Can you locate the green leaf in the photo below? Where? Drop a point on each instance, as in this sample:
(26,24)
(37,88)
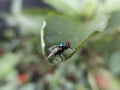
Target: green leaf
(7,63)
(61,29)
(16,7)
(114,63)
(111,5)
(74,7)
(112,27)
(114,22)
(29,24)
(36,11)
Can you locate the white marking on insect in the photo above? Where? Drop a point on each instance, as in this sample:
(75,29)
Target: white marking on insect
(55,50)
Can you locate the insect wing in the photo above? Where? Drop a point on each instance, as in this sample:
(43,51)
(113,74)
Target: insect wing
(52,48)
(53,52)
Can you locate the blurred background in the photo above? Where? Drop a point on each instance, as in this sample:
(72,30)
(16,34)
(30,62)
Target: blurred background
(96,66)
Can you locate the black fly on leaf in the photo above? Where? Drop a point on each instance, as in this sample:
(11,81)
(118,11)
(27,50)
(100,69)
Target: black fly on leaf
(59,50)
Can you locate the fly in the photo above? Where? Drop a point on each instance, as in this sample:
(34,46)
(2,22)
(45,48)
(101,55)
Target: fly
(59,49)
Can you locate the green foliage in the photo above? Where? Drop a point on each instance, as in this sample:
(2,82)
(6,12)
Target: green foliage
(59,29)
(8,64)
(91,26)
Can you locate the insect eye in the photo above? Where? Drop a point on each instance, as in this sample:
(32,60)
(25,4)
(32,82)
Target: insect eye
(61,45)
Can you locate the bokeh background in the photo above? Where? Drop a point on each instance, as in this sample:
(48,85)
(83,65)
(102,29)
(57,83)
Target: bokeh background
(96,66)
